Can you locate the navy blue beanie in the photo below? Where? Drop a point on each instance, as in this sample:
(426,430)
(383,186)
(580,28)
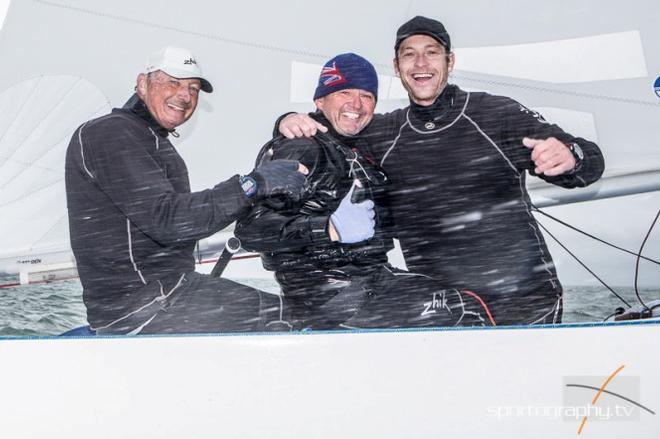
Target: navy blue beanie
(347,70)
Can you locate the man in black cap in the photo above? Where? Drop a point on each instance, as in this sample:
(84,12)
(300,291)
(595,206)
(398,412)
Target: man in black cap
(134,222)
(458,163)
(329,251)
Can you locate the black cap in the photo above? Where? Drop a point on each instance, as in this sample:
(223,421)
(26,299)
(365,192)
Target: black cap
(424,26)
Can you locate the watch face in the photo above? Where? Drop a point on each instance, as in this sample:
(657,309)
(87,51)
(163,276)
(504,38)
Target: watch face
(575,149)
(249,186)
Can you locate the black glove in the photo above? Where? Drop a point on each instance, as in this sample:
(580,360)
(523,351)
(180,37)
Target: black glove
(276,178)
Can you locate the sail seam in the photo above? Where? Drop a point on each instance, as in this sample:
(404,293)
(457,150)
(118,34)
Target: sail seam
(387,66)
(20,110)
(49,113)
(32,165)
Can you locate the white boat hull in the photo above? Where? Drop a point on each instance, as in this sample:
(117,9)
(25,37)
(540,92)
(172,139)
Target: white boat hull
(497,383)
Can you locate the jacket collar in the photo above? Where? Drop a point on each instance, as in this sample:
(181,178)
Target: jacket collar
(136,106)
(437,110)
(440,115)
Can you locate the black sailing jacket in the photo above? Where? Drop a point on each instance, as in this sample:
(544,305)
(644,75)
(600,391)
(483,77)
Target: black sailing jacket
(457,193)
(293,238)
(132,218)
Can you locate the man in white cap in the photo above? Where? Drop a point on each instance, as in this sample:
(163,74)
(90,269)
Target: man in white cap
(134,222)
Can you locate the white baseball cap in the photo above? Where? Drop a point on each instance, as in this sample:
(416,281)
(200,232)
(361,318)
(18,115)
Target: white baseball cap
(179,63)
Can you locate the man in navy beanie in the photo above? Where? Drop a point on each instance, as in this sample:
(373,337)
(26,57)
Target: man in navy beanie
(347,70)
(458,162)
(329,251)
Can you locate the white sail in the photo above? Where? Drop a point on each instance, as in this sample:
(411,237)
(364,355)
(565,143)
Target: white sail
(254,65)
(596,79)
(589,66)
(38,116)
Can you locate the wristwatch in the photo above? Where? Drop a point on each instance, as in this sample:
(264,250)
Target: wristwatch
(249,185)
(578,154)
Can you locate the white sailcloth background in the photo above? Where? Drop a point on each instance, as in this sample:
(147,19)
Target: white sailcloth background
(593,75)
(38,117)
(589,65)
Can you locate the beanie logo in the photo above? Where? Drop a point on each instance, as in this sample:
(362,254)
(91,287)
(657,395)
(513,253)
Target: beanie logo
(331,76)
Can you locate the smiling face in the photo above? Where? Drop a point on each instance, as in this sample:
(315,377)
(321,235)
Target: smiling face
(423,65)
(170,101)
(348,110)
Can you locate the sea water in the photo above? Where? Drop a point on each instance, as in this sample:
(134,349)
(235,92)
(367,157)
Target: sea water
(54,308)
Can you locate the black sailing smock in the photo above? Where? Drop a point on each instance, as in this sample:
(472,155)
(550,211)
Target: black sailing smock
(457,195)
(329,284)
(134,224)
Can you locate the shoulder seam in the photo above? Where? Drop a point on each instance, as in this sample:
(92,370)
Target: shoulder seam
(492,142)
(394,142)
(82,152)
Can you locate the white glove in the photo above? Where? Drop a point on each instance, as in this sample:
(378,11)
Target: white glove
(354,222)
